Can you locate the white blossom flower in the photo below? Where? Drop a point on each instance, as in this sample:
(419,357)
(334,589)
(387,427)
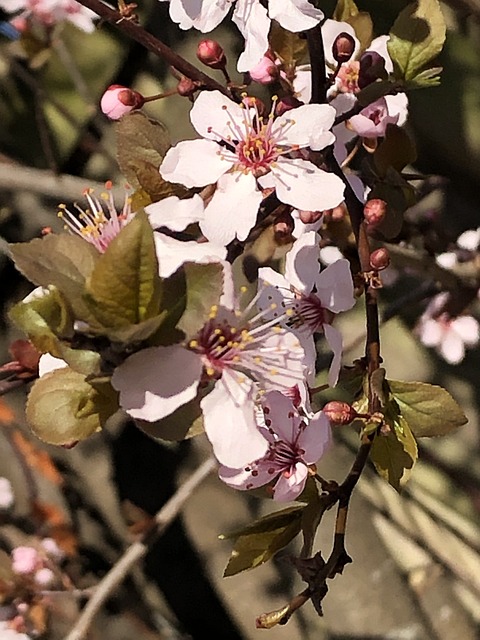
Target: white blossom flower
(240,152)
(311,299)
(7,497)
(449,336)
(51,12)
(294,443)
(251,17)
(7,633)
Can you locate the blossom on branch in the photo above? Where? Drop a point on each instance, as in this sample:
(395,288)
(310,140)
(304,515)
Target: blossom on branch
(294,443)
(51,12)
(243,153)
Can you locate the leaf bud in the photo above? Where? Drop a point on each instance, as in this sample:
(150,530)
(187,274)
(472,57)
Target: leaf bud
(285,104)
(339,413)
(343,47)
(186,87)
(118,101)
(374,211)
(211,54)
(379,259)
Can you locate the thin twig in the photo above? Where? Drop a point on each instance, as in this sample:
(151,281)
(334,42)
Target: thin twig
(137,550)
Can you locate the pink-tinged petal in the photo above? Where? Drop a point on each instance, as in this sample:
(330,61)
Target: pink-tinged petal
(301,263)
(232,212)
(316,438)
(244,480)
(281,416)
(308,125)
(294,15)
(305,186)
(210,14)
(154,382)
(254,24)
(231,428)
(289,488)
(173,253)
(179,15)
(48,363)
(452,347)
(175,214)
(330,30)
(193,163)
(292,356)
(335,287)
(308,343)
(213,115)
(335,342)
(467,328)
(430,332)
(372,121)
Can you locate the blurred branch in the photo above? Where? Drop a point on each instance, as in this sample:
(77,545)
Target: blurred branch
(138,549)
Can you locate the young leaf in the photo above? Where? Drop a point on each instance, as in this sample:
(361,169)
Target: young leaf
(204,288)
(288,46)
(259,541)
(417,37)
(62,408)
(124,288)
(429,409)
(347,11)
(395,453)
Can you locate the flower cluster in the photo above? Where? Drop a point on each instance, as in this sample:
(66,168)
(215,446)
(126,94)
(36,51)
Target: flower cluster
(49,13)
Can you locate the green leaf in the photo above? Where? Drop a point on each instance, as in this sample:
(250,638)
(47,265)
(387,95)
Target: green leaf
(288,46)
(204,288)
(427,78)
(430,410)
(141,146)
(124,288)
(259,541)
(62,408)
(396,150)
(62,260)
(416,37)
(395,453)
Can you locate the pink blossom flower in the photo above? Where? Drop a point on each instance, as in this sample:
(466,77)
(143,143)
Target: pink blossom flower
(100,223)
(294,443)
(117,101)
(449,336)
(25,560)
(51,12)
(310,299)
(372,121)
(265,72)
(7,497)
(8,633)
(242,151)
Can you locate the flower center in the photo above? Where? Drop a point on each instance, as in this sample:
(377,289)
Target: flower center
(309,311)
(256,152)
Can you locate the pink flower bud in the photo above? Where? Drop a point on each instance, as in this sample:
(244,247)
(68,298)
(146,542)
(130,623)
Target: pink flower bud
(285,104)
(186,87)
(211,54)
(339,413)
(374,211)
(265,72)
(343,47)
(25,560)
(379,259)
(118,101)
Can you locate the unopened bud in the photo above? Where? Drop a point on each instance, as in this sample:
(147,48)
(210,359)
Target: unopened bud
(118,101)
(252,102)
(310,217)
(374,211)
(343,47)
(286,104)
(379,259)
(265,72)
(339,413)
(186,87)
(283,227)
(25,354)
(372,67)
(211,54)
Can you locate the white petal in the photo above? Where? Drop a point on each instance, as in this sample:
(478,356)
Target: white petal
(334,339)
(210,14)
(301,263)
(305,126)
(452,347)
(281,416)
(302,83)
(232,212)
(330,30)
(254,24)
(194,163)
(242,479)
(380,46)
(467,328)
(294,15)
(174,213)
(447,260)
(172,253)
(154,382)
(273,289)
(304,186)
(213,113)
(335,287)
(316,438)
(430,332)
(469,240)
(289,488)
(49,363)
(231,428)
(291,360)
(397,105)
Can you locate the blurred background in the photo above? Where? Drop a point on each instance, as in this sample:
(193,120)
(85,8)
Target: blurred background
(416,569)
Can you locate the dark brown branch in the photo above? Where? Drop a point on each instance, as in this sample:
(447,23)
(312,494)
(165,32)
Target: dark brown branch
(317,65)
(140,35)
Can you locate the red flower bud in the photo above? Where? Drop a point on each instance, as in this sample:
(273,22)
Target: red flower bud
(339,413)
(379,259)
(343,47)
(211,54)
(374,211)
(118,100)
